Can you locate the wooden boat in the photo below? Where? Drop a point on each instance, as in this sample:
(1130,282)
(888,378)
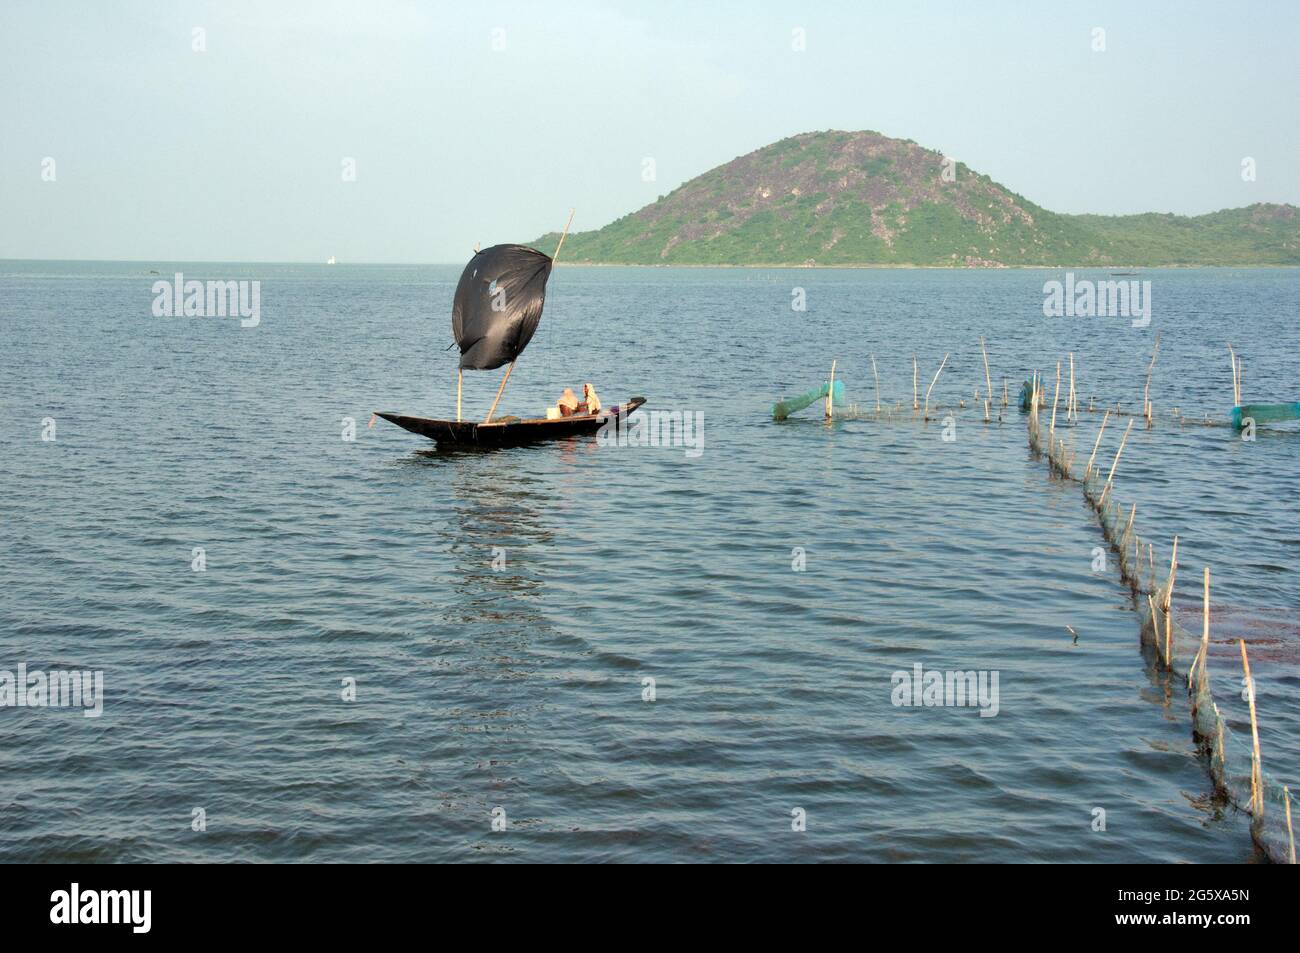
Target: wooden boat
(508,431)
(494,313)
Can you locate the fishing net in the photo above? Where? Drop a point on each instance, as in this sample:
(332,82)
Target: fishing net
(1230,755)
(786,406)
(1264,413)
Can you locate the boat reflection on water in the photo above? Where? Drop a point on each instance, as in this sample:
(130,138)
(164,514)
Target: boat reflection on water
(495,534)
(486,644)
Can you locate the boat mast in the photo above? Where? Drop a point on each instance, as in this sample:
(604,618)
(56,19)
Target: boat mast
(502,388)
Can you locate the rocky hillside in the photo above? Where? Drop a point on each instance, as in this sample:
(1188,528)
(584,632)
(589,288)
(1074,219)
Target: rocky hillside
(846,198)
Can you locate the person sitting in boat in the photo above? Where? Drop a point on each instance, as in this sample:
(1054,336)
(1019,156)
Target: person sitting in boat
(568,403)
(590,399)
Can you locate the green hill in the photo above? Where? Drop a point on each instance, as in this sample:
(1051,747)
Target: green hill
(860,198)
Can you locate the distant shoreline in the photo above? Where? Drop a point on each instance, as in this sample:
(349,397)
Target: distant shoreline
(884,267)
(154,262)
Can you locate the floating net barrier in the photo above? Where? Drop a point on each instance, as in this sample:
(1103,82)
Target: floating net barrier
(901,411)
(990,402)
(1174,417)
(1232,758)
(1238,418)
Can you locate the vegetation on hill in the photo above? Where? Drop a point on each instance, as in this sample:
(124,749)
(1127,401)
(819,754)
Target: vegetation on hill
(861,198)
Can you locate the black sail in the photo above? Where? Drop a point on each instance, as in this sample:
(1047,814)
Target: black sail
(498,303)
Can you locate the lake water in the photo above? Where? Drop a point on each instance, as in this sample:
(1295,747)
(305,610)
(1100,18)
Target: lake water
(516,692)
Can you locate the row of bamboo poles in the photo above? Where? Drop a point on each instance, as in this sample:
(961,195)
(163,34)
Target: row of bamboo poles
(883,411)
(1140,575)
(1072,406)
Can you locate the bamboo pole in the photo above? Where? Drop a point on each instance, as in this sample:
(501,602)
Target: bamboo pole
(1155,627)
(564,234)
(876,374)
(460,373)
(926,415)
(1071,411)
(1169,638)
(1169,635)
(500,389)
(1055,400)
(1146,393)
(1123,440)
(1006,394)
(1204,653)
(1173,573)
(916,404)
(1236,388)
(1105,417)
(1286,794)
(1256,773)
(830,394)
(1191,676)
(988,380)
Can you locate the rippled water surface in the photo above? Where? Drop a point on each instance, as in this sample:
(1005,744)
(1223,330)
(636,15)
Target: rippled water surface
(521,688)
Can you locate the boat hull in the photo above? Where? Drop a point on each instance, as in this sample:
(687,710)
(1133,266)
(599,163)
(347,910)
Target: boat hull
(508,433)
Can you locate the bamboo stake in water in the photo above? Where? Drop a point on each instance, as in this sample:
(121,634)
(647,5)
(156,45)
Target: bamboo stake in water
(830,394)
(1256,772)
(1286,794)
(877,376)
(1204,653)
(988,381)
(1136,575)
(1006,394)
(1155,627)
(1236,388)
(1055,400)
(1071,411)
(1173,573)
(1105,417)
(1123,440)
(916,404)
(1146,393)
(1169,636)
(926,415)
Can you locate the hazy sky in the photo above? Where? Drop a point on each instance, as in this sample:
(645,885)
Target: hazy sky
(236,153)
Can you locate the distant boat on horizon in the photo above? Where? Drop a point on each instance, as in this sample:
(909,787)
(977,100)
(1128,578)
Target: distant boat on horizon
(331,261)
